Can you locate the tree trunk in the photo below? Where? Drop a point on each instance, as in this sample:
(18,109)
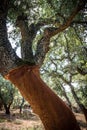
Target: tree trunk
(55,115)
(84,110)
(7,110)
(1,105)
(65,95)
(21,106)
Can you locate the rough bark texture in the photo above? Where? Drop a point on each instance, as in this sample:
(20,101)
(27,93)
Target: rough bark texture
(28,34)
(41,50)
(8,58)
(26,45)
(54,114)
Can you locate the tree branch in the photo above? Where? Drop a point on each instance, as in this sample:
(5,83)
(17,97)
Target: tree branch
(27,38)
(69,20)
(28,35)
(8,58)
(82,71)
(44,42)
(4,5)
(41,50)
(79,22)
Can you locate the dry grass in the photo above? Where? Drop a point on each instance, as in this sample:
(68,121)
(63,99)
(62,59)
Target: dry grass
(20,122)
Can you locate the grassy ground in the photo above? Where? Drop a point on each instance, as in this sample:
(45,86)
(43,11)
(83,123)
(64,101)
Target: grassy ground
(19,122)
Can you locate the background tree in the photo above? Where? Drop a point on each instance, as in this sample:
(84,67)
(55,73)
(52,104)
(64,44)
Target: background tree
(63,63)
(7,92)
(1,105)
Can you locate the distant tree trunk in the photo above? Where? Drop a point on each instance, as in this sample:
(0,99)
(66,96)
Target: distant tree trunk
(7,109)
(1,105)
(21,106)
(84,110)
(65,95)
(82,107)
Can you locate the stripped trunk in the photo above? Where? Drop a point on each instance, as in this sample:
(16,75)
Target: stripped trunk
(54,114)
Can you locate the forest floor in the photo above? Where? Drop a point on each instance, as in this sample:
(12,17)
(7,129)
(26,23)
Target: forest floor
(32,122)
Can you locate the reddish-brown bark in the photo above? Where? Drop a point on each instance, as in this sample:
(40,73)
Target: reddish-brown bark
(54,114)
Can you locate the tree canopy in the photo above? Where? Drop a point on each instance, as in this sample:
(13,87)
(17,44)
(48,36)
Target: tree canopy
(43,19)
(7,92)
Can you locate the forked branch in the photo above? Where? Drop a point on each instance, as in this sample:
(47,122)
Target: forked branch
(79,7)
